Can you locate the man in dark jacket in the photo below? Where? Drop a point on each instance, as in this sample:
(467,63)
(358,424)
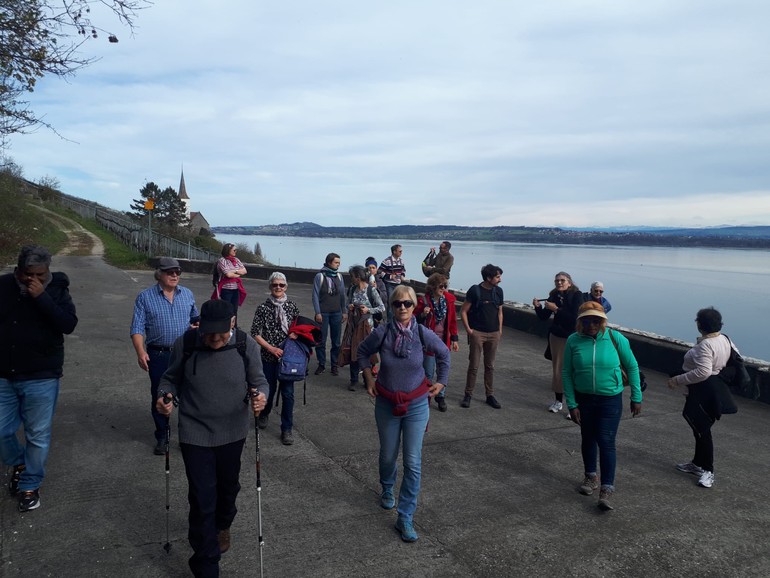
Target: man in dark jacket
(212,383)
(35,312)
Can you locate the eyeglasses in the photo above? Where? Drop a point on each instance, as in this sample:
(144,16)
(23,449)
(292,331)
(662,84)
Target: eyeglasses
(406,304)
(173,272)
(598,290)
(281,285)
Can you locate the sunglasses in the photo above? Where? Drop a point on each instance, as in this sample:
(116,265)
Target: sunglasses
(173,272)
(444,286)
(592,321)
(598,290)
(282,285)
(406,304)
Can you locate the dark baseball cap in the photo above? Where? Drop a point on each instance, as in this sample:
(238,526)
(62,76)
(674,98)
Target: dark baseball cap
(216,316)
(166,263)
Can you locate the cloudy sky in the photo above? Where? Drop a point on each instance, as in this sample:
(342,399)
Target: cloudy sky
(492,112)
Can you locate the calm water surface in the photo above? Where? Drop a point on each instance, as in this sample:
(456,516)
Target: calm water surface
(656,289)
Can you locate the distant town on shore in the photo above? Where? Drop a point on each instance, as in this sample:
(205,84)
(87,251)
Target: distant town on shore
(753,237)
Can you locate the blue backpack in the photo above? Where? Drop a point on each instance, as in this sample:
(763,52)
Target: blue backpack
(294,361)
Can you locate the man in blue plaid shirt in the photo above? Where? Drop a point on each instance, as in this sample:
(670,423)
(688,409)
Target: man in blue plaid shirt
(162,313)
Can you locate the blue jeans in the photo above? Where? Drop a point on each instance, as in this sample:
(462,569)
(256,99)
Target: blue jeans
(599,420)
(213,485)
(429,365)
(157,365)
(270,369)
(330,323)
(393,430)
(232,296)
(30,402)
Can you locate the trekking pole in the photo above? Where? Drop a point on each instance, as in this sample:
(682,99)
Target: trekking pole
(167,545)
(255,393)
(167,397)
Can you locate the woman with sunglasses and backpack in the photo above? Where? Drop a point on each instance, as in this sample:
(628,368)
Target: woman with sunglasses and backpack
(594,360)
(270,328)
(402,400)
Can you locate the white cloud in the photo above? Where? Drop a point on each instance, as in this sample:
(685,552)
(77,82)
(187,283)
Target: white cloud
(559,113)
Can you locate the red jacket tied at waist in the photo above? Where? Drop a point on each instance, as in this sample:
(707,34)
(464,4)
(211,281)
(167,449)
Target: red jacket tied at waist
(401,399)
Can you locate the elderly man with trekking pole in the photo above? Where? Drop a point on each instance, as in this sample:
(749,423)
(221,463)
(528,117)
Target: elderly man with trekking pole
(215,376)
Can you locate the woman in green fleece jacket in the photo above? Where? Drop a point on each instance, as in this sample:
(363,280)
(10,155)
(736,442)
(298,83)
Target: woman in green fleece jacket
(593,388)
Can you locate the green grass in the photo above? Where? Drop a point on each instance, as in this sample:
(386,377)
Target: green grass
(115,253)
(22,224)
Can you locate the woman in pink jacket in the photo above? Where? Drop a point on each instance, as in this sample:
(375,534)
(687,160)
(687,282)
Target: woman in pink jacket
(436,310)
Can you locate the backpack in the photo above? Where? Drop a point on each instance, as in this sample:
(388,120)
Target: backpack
(477,294)
(215,275)
(294,361)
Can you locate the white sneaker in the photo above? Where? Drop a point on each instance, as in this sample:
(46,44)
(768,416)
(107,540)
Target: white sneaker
(690,468)
(555,407)
(706,479)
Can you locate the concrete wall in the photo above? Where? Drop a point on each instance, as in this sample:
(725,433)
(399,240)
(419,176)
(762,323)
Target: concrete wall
(657,353)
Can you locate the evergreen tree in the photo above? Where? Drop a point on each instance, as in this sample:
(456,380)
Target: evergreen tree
(169,211)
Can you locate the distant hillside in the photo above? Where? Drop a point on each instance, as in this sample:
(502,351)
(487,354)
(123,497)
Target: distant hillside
(748,237)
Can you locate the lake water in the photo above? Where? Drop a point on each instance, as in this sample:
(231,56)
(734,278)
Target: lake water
(655,289)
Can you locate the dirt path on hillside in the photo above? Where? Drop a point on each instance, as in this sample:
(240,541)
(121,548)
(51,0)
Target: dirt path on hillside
(80,242)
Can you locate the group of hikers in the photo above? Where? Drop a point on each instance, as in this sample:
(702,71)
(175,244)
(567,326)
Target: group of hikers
(218,376)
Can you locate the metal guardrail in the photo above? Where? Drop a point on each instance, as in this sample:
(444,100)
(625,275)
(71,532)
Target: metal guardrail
(134,235)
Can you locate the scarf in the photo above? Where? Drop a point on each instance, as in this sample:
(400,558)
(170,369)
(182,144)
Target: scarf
(280,313)
(438,309)
(402,345)
(331,279)
(232,260)
(707,336)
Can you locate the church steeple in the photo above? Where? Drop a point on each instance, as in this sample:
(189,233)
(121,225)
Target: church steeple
(183,189)
(183,195)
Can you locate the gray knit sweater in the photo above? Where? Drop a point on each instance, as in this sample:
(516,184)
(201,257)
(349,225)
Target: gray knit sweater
(211,390)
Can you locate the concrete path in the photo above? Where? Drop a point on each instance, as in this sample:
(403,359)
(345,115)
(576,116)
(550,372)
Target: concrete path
(499,493)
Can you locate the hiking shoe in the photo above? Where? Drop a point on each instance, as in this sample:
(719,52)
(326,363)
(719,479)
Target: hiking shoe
(590,483)
(706,479)
(555,407)
(13,483)
(223,537)
(262,421)
(335,370)
(466,402)
(387,499)
(29,500)
(493,402)
(160,448)
(406,528)
(352,386)
(604,499)
(287,438)
(690,468)
(319,370)
(441,401)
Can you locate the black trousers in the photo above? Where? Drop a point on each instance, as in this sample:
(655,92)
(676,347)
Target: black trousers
(701,410)
(212,477)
